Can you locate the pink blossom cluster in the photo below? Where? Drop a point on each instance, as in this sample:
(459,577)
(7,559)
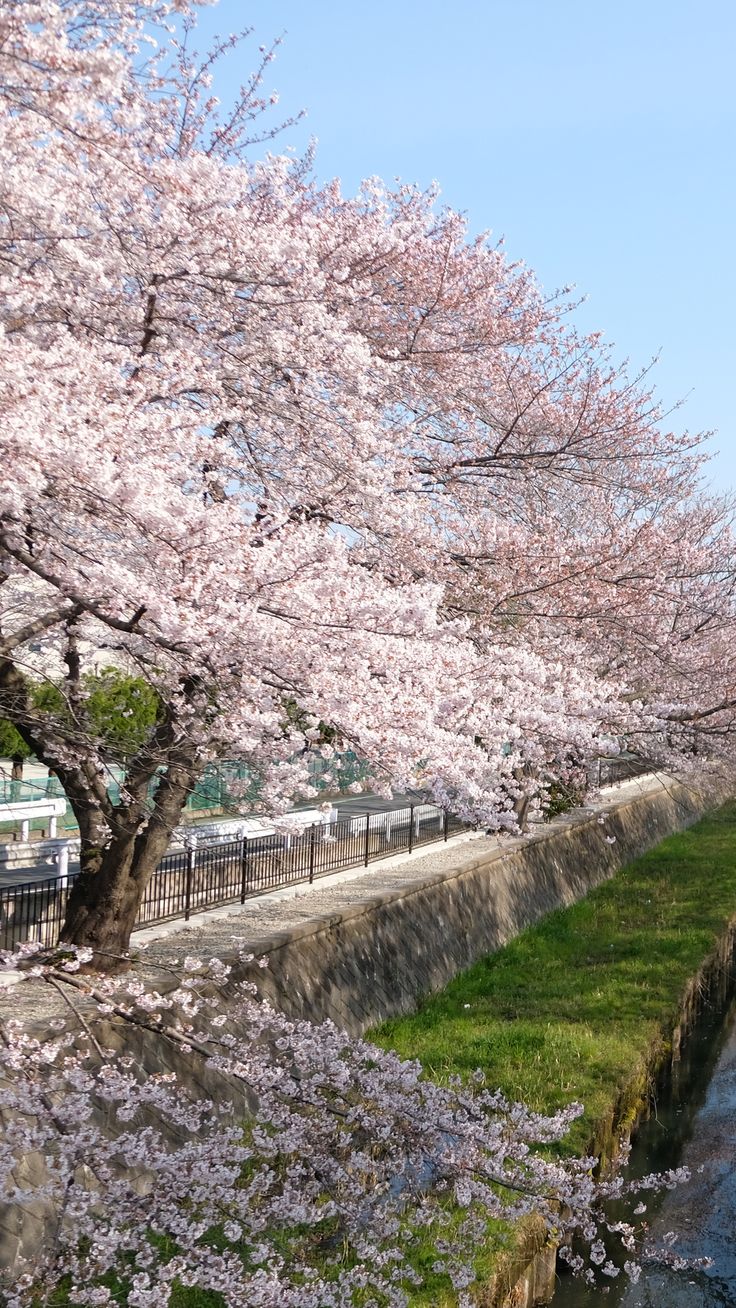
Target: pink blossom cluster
(307,1180)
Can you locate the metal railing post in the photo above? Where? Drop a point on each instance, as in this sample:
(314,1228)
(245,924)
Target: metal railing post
(367,837)
(411,827)
(312,848)
(191,864)
(244,870)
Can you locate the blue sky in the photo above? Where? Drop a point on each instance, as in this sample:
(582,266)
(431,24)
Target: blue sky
(596,137)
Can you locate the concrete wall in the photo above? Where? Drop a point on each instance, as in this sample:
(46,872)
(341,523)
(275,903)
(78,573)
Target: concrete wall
(378,958)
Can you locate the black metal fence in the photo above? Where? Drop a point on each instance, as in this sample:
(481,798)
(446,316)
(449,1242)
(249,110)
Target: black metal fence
(611,770)
(212,874)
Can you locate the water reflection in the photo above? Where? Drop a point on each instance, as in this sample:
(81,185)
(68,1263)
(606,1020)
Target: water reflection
(677,1290)
(703,1213)
(695,1125)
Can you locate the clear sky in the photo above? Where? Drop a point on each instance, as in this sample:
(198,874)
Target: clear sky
(596,136)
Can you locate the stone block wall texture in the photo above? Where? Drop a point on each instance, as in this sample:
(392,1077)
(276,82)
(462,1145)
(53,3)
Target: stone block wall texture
(377,959)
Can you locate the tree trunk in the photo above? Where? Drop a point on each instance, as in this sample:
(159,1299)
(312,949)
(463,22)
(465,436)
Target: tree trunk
(104,900)
(521,810)
(121,844)
(16,767)
(523,801)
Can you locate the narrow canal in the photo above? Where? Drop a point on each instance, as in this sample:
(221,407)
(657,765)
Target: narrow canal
(693,1123)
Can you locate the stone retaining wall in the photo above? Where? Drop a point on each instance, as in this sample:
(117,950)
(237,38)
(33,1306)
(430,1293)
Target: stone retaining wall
(377,959)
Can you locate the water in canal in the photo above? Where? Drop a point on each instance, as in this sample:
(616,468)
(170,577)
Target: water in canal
(693,1124)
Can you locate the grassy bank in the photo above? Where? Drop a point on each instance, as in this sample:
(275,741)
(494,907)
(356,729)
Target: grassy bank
(581,1005)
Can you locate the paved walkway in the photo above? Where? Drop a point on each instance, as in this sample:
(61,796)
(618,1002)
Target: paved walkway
(253,924)
(266,915)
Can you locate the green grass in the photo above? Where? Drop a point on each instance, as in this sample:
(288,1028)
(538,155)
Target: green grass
(581,1006)
(575,1008)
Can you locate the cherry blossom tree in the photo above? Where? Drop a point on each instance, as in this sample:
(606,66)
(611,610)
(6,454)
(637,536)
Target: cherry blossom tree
(267,444)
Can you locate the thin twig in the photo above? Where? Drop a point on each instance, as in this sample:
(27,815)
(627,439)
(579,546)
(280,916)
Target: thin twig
(52,981)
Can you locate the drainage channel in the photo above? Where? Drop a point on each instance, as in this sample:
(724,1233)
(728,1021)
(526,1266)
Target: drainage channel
(693,1124)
